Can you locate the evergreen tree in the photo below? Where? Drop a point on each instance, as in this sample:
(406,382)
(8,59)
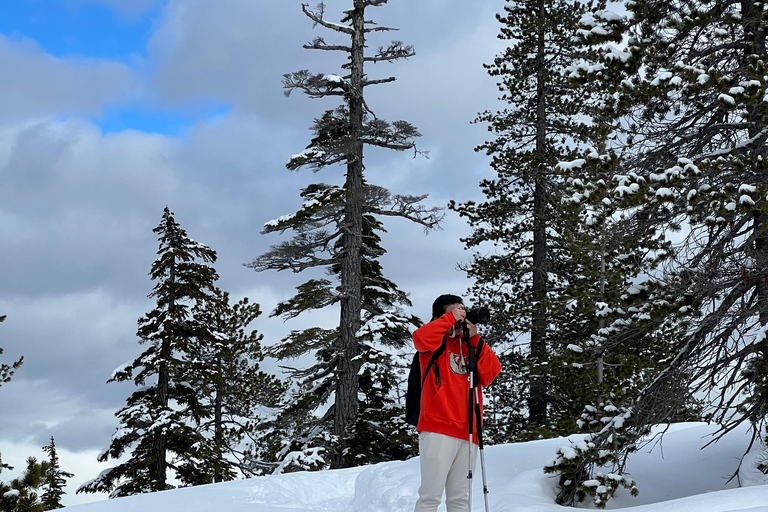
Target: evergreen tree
(335,228)
(688,82)
(21,495)
(159,421)
(522,264)
(621,332)
(54,479)
(6,372)
(236,397)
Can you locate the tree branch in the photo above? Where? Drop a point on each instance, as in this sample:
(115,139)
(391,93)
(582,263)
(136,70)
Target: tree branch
(318,20)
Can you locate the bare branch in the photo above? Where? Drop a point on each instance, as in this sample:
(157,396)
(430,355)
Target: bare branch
(366,83)
(409,207)
(318,19)
(395,51)
(319,43)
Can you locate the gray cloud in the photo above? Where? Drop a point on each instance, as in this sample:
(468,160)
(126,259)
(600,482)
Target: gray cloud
(36,84)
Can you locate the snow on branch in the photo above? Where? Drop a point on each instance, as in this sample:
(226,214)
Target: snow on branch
(315,85)
(319,208)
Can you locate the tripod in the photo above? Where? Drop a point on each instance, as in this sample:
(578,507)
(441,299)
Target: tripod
(474,413)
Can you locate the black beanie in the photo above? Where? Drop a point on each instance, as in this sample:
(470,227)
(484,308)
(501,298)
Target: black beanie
(438,307)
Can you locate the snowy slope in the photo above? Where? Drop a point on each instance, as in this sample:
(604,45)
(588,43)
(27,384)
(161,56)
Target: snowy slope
(676,476)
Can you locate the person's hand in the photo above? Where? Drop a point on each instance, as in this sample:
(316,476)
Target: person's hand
(459,313)
(472,329)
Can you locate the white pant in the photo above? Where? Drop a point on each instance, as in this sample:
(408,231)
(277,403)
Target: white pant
(444,466)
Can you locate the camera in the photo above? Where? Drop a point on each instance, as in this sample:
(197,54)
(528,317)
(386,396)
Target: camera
(479,315)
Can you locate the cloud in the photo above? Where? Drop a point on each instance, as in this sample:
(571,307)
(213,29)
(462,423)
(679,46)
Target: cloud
(37,85)
(233,51)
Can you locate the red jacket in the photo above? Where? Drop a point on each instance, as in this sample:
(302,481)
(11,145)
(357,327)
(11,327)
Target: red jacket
(445,404)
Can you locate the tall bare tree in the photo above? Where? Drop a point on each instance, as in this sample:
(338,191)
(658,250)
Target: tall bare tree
(335,227)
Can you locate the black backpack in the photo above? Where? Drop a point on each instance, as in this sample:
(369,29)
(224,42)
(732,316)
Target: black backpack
(415,382)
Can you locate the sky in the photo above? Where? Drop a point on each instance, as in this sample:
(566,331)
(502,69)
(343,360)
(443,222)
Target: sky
(673,475)
(112,109)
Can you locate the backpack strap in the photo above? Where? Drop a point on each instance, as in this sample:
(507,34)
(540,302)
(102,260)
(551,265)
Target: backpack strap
(479,348)
(432,360)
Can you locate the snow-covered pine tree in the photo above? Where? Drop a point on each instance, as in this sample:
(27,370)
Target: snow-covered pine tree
(54,479)
(689,87)
(234,394)
(620,330)
(330,231)
(158,423)
(380,432)
(520,264)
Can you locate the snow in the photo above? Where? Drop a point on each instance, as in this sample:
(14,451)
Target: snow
(675,477)
(334,78)
(747,189)
(746,200)
(575,164)
(727,99)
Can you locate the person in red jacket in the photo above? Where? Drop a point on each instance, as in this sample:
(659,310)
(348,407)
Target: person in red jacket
(444,417)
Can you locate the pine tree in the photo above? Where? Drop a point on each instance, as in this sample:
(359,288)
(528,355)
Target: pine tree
(159,420)
(688,88)
(620,333)
(7,370)
(334,229)
(521,262)
(54,479)
(21,495)
(236,397)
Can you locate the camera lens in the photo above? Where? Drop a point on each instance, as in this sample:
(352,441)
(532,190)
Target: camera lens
(479,315)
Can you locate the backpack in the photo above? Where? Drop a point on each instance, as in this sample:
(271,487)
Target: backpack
(415,382)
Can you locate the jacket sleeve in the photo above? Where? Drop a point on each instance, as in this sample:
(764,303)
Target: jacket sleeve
(429,336)
(488,365)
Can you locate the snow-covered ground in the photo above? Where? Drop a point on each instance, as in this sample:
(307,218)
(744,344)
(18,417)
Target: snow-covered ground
(674,476)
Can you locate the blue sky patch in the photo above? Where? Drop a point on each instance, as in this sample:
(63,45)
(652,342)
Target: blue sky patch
(67,29)
(167,122)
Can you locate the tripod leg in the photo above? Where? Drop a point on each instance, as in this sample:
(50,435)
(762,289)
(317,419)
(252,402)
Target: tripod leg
(481,446)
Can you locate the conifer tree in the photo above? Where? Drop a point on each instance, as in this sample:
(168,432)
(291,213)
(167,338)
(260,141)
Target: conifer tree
(21,494)
(7,370)
(158,425)
(336,228)
(521,264)
(688,82)
(54,479)
(235,396)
